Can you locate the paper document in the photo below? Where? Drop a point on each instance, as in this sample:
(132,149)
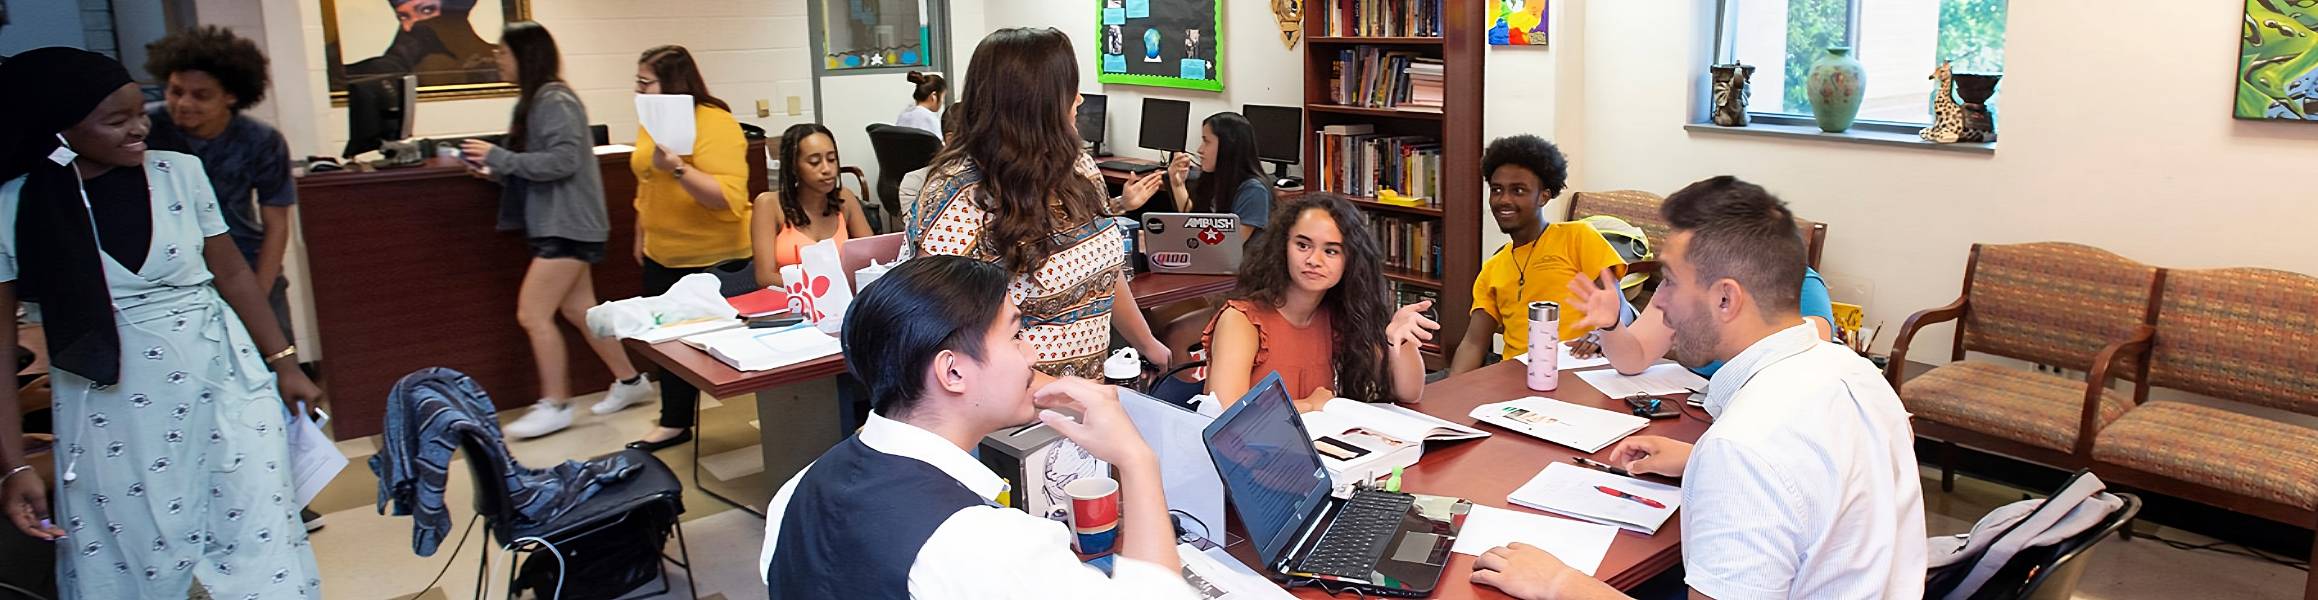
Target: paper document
(1585,428)
(668,117)
(687,329)
(1659,379)
(1566,362)
(1579,544)
(1186,472)
(766,349)
(1629,503)
(1215,575)
(314,458)
(609,149)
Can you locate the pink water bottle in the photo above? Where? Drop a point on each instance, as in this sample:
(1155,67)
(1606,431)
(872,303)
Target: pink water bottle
(1544,335)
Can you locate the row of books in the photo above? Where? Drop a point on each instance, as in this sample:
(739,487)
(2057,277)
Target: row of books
(1378,18)
(1371,77)
(1405,294)
(1355,160)
(1409,244)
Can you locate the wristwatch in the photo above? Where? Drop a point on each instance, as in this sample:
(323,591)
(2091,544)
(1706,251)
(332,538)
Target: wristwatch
(678,171)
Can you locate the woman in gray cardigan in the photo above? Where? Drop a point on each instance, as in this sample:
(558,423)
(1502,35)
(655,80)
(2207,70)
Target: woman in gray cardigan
(554,192)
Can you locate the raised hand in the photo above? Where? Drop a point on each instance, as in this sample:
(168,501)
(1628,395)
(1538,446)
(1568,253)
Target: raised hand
(1598,299)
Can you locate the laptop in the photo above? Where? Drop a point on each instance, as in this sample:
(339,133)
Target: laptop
(1192,243)
(1381,543)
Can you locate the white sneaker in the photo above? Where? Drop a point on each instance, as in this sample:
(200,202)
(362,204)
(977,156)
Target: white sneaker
(544,418)
(623,395)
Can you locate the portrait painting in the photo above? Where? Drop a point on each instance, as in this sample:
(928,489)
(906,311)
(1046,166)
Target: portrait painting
(448,44)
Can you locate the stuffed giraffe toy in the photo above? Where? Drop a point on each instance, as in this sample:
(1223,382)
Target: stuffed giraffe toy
(1947,115)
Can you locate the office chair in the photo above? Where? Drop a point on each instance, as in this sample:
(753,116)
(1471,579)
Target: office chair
(2051,572)
(900,150)
(653,493)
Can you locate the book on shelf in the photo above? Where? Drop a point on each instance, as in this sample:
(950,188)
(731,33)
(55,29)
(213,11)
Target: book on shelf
(1409,244)
(1378,18)
(1373,77)
(1356,161)
(1404,294)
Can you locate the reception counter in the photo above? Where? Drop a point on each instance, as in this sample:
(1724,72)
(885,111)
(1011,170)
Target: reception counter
(407,271)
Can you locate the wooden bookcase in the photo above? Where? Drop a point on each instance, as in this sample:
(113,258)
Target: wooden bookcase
(1457,124)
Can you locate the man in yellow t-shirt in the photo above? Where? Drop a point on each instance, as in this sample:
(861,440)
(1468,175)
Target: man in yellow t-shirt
(1525,172)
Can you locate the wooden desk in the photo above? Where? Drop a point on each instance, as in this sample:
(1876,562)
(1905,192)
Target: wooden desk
(798,414)
(407,273)
(1487,470)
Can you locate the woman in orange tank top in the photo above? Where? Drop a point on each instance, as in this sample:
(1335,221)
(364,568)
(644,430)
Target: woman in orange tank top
(1312,305)
(809,207)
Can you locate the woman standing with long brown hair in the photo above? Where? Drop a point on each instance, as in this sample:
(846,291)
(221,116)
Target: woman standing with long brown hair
(555,194)
(1013,188)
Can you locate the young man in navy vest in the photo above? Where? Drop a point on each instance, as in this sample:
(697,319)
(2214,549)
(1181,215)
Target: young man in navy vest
(901,510)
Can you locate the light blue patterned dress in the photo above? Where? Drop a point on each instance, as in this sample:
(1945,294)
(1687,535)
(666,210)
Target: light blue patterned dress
(182,470)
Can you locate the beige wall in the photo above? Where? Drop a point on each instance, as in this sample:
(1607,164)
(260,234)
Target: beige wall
(2116,135)
(748,50)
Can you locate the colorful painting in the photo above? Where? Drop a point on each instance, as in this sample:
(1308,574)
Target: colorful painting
(448,44)
(2278,62)
(1517,23)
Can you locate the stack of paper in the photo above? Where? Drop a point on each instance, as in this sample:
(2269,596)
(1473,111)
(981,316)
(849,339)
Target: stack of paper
(1579,544)
(1583,493)
(764,349)
(1582,427)
(668,117)
(1659,379)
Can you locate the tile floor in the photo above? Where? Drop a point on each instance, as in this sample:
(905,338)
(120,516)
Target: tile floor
(367,556)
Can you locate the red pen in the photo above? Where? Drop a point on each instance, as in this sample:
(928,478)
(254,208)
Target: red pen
(1645,501)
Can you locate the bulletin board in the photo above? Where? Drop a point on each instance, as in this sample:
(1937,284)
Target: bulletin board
(1161,43)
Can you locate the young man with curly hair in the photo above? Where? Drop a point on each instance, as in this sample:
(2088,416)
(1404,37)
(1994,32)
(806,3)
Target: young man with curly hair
(1525,172)
(212,76)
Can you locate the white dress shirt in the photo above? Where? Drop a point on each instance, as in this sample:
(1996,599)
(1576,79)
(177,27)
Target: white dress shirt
(987,551)
(1806,485)
(918,116)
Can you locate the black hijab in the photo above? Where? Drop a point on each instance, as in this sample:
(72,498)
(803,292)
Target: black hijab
(57,254)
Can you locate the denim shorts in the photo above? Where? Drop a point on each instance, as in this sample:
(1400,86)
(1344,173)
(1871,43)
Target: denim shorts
(555,247)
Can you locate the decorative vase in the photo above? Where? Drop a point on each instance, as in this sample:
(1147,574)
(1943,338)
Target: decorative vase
(1835,84)
(1974,89)
(1731,91)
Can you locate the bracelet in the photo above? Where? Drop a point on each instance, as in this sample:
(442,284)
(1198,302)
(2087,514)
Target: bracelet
(12,473)
(286,352)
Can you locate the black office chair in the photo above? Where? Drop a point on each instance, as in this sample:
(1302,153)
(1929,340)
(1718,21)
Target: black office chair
(653,493)
(2048,572)
(900,150)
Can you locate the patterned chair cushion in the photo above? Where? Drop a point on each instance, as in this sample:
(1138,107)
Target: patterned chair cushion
(2216,448)
(2023,406)
(1635,207)
(2240,334)
(2055,303)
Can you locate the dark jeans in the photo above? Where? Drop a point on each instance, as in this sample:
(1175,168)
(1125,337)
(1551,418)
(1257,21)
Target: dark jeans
(678,399)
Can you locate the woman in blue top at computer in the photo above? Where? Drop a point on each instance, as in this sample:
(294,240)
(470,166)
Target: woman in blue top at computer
(1228,176)
(1635,346)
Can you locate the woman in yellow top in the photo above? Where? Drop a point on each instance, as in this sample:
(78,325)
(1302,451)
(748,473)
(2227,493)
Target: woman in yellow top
(808,207)
(692,213)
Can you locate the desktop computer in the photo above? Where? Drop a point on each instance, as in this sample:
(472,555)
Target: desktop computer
(1093,114)
(380,114)
(1164,122)
(1279,139)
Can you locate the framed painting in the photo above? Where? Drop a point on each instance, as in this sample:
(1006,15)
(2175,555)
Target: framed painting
(448,44)
(2277,74)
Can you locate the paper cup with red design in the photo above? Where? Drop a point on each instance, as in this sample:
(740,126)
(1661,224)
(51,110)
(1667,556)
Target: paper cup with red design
(1094,513)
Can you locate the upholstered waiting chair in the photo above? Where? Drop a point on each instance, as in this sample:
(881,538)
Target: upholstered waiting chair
(2065,305)
(1641,209)
(2243,336)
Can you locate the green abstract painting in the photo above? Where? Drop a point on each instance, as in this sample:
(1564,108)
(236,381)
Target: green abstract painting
(2278,61)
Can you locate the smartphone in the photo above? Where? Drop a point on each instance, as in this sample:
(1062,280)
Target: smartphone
(775,322)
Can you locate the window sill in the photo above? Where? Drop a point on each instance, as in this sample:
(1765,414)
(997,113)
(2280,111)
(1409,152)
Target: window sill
(1854,136)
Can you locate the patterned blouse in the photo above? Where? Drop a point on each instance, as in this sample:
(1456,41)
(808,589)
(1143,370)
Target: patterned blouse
(1066,301)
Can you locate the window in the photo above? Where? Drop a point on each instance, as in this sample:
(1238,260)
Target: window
(874,34)
(1899,42)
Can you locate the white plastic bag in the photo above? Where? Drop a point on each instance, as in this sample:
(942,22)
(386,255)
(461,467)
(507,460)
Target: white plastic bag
(817,288)
(696,297)
(863,277)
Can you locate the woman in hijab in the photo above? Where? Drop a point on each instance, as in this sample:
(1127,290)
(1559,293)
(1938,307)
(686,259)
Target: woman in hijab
(169,369)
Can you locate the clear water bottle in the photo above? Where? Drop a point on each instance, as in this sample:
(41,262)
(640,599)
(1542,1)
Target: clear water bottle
(1544,337)
(1124,369)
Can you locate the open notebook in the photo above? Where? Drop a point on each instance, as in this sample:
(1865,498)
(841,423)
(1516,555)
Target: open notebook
(764,349)
(1586,494)
(1359,441)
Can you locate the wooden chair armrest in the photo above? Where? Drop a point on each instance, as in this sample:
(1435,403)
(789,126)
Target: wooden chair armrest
(1897,364)
(2097,380)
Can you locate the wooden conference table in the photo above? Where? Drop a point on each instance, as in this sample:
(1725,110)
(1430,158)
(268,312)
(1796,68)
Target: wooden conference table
(1485,471)
(798,414)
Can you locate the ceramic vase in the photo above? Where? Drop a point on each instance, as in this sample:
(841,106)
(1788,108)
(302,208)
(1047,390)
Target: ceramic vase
(1731,90)
(1973,90)
(1835,85)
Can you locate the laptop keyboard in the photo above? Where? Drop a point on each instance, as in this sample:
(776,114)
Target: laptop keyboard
(1356,539)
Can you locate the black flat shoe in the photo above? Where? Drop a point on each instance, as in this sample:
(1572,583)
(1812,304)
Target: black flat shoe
(662,444)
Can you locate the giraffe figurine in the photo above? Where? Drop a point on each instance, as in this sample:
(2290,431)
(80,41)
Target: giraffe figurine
(1947,115)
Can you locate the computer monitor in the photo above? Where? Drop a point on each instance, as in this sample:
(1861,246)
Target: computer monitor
(1092,116)
(1279,137)
(379,109)
(1164,124)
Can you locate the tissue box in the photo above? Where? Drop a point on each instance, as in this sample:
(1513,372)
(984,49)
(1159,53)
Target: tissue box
(1036,463)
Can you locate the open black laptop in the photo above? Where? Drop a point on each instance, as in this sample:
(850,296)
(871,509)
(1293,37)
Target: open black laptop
(1382,543)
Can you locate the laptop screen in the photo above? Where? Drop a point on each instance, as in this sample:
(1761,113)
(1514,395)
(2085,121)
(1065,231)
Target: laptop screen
(1268,465)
